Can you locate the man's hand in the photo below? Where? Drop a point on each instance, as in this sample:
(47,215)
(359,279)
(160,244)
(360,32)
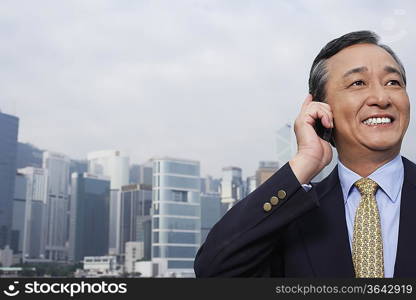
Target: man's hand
(313,153)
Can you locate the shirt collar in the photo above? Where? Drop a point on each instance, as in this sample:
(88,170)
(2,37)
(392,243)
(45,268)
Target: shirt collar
(389,178)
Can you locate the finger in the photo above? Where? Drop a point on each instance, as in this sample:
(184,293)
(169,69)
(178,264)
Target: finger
(325,119)
(317,112)
(330,117)
(326,106)
(328,110)
(311,117)
(311,106)
(319,105)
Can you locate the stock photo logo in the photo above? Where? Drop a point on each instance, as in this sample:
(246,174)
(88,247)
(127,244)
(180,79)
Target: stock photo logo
(11,290)
(65,288)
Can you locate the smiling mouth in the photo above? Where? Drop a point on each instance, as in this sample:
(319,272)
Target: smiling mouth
(376,121)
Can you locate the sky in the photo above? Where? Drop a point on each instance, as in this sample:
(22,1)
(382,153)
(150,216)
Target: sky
(204,80)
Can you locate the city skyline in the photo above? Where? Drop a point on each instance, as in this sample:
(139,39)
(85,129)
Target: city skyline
(70,221)
(206,80)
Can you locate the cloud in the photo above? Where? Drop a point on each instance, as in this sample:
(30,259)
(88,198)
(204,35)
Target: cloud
(205,80)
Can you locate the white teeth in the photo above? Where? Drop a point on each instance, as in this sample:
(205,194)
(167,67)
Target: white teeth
(376,121)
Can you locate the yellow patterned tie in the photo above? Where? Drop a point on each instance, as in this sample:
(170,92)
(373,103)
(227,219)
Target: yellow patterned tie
(367,245)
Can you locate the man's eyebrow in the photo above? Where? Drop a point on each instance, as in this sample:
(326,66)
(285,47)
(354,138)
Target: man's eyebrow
(389,69)
(355,70)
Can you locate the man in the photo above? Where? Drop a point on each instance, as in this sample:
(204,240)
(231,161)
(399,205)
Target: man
(360,220)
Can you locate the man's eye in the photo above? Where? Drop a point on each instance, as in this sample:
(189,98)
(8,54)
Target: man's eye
(393,82)
(357,83)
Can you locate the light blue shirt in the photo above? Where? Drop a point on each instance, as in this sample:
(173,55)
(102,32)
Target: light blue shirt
(389,177)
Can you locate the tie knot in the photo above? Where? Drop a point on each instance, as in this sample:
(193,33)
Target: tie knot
(366,186)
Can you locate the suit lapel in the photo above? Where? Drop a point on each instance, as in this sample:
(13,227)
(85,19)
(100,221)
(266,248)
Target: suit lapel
(325,231)
(406,248)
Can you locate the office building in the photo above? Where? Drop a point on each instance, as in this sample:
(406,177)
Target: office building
(210,212)
(210,185)
(232,187)
(57,166)
(134,174)
(141,174)
(89,217)
(98,266)
(114,238)
(28,155)
(6,257)
(114,165)
(8,150)
(35,221)
(111,164)
(286,144)
(265,170)
(176,223)
(135,219)
(146,173)
(251,184)
(134,253)
(19,211)
(78,166)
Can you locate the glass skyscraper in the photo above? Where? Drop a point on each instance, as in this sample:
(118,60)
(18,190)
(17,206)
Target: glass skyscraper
(232,187)
(57,166)
(35,220)
(89,218)
(111,163)
(19,212)
(135,219)
(286,145)
(114,165)
(8,150)
(176,220)
(210,212)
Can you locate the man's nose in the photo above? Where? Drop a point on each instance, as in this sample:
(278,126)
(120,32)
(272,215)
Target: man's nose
(378,96)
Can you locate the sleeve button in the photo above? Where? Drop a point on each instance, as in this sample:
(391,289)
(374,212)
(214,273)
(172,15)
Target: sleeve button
(274,200)
(281,194)
(267,206)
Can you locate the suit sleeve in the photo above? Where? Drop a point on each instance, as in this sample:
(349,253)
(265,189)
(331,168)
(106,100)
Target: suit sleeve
(244,242)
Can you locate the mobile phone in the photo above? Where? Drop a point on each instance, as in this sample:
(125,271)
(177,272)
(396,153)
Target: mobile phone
(323,132)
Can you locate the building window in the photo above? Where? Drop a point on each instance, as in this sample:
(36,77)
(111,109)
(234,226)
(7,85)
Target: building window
(180,196)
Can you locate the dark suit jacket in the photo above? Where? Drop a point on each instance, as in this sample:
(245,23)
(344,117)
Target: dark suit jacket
(304,235)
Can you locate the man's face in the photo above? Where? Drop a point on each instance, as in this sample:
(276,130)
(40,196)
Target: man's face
(368,99)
